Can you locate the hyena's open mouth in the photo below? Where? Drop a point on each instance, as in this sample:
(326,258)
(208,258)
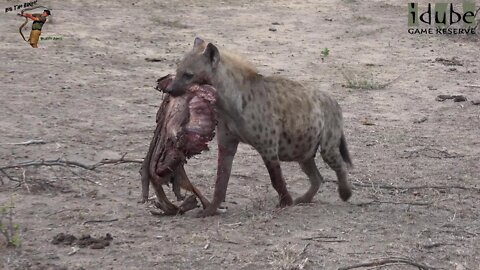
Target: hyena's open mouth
(185,125)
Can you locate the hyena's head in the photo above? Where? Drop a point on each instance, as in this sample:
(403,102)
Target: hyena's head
(197,67)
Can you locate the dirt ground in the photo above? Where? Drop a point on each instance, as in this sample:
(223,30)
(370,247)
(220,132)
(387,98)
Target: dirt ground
(90,96)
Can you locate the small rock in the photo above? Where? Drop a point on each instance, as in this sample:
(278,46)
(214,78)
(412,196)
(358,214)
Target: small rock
(275,23)
(421,120)
(476,102)
(272,29)
(459,98)
(99,245)
(367,122)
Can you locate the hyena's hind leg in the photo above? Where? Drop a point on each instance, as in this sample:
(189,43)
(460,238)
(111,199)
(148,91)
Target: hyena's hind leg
(336,158)
(310,169)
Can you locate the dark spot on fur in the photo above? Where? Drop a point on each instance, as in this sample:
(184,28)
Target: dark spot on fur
(289,141)
(244,102)
(260,128)
(328,136)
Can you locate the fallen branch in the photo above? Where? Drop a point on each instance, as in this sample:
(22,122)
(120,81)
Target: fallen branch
(389,202)
(326,239)
(29,142)
(382,186)
(430,152)
(83,178)
(385,261)
(69,163)
(377,185)
(434,245)
(63,163)
(100,221)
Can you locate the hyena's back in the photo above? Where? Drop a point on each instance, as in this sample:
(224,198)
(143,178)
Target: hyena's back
(296,120)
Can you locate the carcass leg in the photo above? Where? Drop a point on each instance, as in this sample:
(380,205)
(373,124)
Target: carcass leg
(182,180)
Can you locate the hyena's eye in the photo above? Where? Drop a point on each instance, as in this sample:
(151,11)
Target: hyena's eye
(187,76)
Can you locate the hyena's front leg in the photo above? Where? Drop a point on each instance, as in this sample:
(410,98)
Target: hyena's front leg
(227,147)
(278,182)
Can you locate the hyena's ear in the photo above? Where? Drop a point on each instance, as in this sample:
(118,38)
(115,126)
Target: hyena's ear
(198,44)
(212,54)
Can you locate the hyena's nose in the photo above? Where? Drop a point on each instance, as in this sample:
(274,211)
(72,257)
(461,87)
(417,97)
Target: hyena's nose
(174,90)
(168,89)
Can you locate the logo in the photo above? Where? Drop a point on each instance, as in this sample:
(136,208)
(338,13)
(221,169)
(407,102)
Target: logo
(443,19)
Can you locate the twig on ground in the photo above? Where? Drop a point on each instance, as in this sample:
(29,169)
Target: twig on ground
(8,176)
(325,239)
(302,264)
(100,221)
(430,153)
(84,178)
(58,212)
(389,260)
(377,185)
(389,202)
(434,245)
(24,180)
(29,142)
(472,85)
(234,224)
(304,250)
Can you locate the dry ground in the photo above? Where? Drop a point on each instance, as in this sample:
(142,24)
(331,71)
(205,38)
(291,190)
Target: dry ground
(90,96)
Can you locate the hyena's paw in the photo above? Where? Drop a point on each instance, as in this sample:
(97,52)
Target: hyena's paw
(285,201)
(207,212)
(345,193)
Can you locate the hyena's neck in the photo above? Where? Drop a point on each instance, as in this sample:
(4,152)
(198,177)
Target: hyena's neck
(233,79)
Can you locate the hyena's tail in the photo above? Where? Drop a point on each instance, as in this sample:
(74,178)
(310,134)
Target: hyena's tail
(344,151)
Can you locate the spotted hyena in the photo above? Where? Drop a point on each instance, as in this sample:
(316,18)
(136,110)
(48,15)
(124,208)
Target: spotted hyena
(280,118)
